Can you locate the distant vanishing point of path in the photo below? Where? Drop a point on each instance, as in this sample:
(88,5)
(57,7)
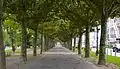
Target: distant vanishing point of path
(56,58)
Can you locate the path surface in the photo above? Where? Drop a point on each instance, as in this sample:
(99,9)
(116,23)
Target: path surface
(55,58)
(15,57)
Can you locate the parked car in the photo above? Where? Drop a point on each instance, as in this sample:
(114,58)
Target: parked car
(94,47)
(116,48)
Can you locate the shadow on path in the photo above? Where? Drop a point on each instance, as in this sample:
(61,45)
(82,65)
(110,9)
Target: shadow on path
(55,58)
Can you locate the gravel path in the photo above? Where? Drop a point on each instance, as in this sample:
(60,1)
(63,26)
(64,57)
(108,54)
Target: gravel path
(55,58)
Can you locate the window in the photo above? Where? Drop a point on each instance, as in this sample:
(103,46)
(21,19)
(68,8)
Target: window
(113,35)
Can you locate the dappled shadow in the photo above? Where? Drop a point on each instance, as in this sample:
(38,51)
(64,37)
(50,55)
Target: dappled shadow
(56,58)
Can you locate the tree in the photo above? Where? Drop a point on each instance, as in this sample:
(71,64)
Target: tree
(35,42)
(19,8)
(12,27)
(80,43)
(27,12)
(80,13)
(41,49)
(104,9)
(2,48)
(74,44)
(24,42)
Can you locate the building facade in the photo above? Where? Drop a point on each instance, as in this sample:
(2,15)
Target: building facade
(113,34)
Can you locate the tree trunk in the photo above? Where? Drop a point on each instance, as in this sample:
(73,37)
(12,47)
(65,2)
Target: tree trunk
(43,43)
(13,45)
(80,43)
(74,44)
(87,42)
(97,42)
(24,42)
(70,44)
(46,43)
(45,47)
(41,49)
(102,38)
(35,43)
(2,49)
(65,45)
(51,43)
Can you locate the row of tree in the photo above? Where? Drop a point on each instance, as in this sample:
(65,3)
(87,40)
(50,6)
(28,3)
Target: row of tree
(85,14)
(55,20)
(23,17)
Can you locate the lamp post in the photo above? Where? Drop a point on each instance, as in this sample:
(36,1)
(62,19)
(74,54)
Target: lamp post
(97,51)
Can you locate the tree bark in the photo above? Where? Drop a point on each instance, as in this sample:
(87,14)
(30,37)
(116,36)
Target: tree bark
(70,44)
(13,45)
(102,38)
(45,47)
(97,41)
(2,49)
(35,43)
(41,49)
(24,42)
(51,43)
(46,43)
(80,43)
(74,44)
(43,43)
(87,42)
(65,44)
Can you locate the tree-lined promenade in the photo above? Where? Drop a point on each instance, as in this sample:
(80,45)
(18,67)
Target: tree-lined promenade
(42,23)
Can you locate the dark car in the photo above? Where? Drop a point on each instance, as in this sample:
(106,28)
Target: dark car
(115,49)
(94,47)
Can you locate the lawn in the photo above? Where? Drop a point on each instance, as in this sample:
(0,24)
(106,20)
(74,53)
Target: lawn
(113,59)
(109,59)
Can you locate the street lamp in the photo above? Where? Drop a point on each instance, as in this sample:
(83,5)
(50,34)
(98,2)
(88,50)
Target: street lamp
(97,51)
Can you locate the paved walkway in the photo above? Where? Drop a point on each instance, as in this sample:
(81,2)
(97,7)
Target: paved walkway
(16,58)
(55,58)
